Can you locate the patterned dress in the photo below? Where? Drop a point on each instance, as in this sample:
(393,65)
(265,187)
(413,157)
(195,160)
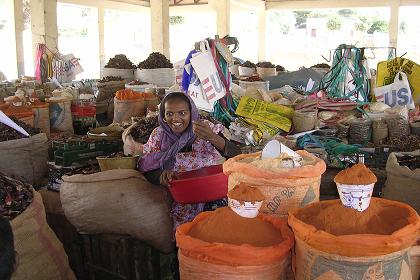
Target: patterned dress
(202,154)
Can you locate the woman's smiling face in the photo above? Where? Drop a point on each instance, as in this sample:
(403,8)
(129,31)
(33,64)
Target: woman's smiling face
(177,115)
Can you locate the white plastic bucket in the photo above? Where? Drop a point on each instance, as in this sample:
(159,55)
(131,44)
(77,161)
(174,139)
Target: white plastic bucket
(355,196)
(245,209)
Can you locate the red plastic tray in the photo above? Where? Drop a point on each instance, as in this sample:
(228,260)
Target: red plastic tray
(201,185)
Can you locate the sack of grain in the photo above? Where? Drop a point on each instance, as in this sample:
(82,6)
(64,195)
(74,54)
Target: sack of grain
(119,201)
(284,188)
(40,253)
(333,242)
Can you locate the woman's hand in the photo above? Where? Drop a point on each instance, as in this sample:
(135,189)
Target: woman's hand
(203,131)
(166,177)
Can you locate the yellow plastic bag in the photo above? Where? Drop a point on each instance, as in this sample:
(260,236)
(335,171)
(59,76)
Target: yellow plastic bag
(274,114)
(388,69)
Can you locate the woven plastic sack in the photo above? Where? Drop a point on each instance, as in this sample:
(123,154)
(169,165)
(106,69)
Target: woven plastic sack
(42,117)
(314,264)
(193,269)
(125,109)
(203,260)
(60,115)
(131,147)
(119,201)
(402,183)
(40,253)
(284,188)
(357,245)
(25,159)
(322,255)
(304,121)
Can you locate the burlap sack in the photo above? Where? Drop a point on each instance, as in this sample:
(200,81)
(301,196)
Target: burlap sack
(40,255)
(284,189)
(25,159)
(119,201)
(314,264)
(402,183)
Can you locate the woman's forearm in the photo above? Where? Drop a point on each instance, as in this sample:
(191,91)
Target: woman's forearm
(218,142)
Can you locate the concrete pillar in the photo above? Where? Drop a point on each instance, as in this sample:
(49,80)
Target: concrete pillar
(222,9)
(44,24)
(101,31)
(19,27)
(159,11)
(393,24)
(261,34)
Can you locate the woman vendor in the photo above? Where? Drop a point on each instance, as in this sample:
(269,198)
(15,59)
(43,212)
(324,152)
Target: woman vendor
(183,142)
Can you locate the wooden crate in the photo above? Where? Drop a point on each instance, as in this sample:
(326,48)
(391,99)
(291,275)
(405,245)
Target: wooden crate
(109,256)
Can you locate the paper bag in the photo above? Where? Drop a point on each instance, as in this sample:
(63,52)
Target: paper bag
(72,67)
(397,93)
(206,70)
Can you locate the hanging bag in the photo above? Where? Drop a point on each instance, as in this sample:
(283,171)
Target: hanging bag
(204,66)
(397,93)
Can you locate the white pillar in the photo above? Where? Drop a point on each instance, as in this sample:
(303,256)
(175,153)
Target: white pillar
(19,27)
(222,8)
(159,10)
(261,34)
(393,24)
(101,31)
(44,24)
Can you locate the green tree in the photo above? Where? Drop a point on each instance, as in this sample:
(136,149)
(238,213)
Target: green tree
(346,13)
(334,23)
(173,20)
(378,26)
(301,17)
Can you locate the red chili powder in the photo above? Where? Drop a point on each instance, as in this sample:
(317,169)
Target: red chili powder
(338,220)
(244,192)
(225,226)
(358,174)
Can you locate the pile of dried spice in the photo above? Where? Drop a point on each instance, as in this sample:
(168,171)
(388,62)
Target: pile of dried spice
(15,197)
(245,192)
(248,64)
(143,128)
(358,174)
(110,79)
(265,64)
(55,174)
(120,61)
(225,226)
(154,61)
(255,78)
(336,219)
(7,133)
